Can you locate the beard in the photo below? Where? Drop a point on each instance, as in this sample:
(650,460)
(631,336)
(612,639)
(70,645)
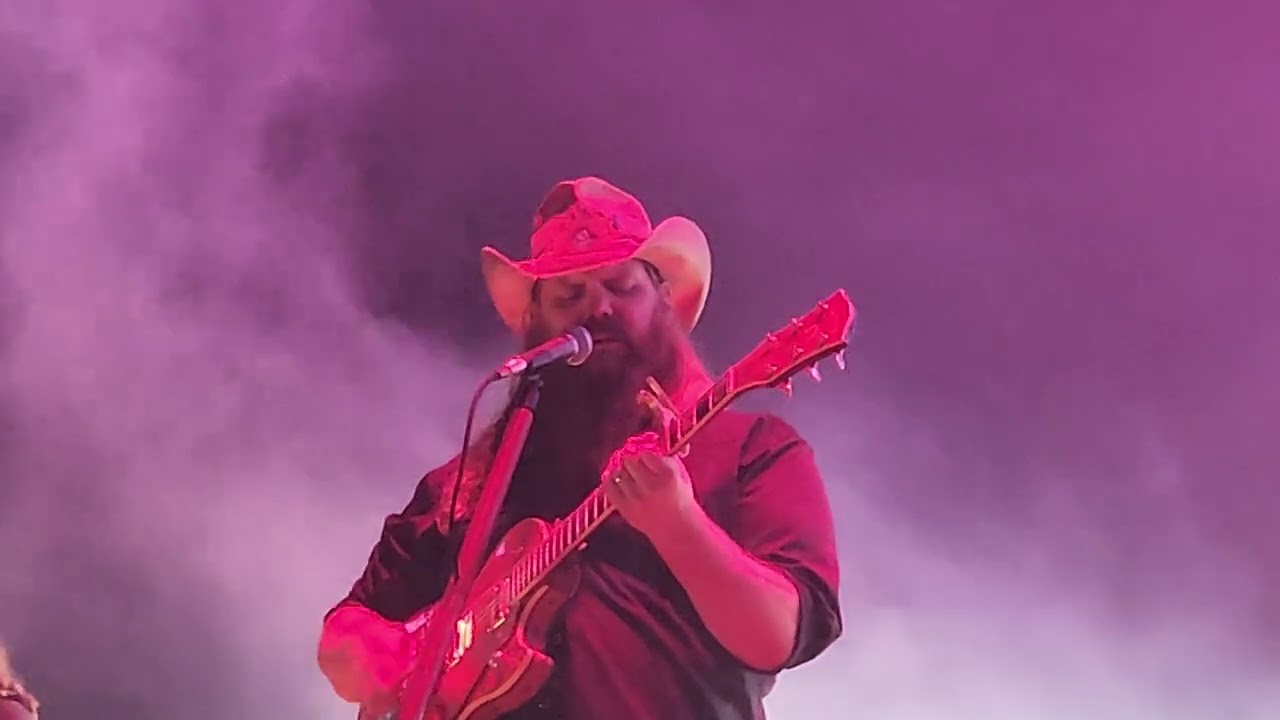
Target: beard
(586,412)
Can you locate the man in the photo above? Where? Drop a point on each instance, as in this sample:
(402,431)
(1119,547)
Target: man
(16,703)
(719,569)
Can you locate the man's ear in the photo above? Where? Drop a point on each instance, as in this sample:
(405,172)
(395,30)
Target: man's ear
(664,292)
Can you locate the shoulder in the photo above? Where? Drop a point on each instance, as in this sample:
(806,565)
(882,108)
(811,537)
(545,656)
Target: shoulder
(449,492)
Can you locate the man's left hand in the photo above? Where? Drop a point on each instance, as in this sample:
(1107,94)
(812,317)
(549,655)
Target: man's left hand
(652,492)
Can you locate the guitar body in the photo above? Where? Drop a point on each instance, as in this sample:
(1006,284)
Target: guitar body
(504,665)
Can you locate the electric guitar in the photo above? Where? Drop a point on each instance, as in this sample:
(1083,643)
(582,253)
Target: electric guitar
(497,661)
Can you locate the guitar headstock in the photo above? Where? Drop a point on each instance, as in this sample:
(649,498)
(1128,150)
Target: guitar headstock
(799,345)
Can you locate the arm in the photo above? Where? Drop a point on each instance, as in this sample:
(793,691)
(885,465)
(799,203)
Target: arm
(751,609)
(768,594)
(404,572)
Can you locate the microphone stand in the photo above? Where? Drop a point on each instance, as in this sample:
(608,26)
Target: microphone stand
(438,634)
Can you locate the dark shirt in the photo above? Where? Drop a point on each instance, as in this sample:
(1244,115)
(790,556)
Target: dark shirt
(632,644)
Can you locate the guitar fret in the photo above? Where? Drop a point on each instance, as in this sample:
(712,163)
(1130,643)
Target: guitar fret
(703,408)
(706,404)
(688,420)
(568,534)
(771,364)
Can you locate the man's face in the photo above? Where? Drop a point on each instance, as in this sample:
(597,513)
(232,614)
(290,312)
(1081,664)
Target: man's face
(626,312)
(586,412)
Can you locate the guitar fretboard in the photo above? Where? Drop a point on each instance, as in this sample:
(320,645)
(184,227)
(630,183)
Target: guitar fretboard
(570,532)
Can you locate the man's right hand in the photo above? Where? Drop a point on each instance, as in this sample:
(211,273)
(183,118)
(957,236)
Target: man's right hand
(364,656)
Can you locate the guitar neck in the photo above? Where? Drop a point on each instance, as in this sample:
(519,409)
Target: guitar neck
(570,532)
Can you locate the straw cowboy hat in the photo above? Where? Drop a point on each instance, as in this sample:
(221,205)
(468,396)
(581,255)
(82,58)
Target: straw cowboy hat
(586,224)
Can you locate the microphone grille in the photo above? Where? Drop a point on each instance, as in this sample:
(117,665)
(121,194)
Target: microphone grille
(585,344)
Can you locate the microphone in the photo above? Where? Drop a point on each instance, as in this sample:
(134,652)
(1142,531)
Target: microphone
(573,347)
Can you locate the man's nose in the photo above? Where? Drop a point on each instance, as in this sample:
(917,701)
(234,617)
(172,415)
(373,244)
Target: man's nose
(599,304)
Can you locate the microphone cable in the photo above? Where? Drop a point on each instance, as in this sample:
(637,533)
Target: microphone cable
(462,465)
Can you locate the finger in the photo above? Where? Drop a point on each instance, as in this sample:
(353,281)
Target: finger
(652,462)
(640,443)
(637,477)
(634,449)
(615,488)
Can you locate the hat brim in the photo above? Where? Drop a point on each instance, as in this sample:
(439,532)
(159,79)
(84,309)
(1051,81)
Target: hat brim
(677,248)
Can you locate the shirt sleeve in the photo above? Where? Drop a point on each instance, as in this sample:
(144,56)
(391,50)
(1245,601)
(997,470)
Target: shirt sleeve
(784,520)
(408,566)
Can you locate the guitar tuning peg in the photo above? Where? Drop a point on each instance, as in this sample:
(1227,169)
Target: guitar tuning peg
(840,360)
(786,388)
(814,373)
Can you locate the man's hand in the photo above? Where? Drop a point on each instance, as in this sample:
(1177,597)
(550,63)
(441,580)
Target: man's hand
(651,491)
(365,657)
(752,609)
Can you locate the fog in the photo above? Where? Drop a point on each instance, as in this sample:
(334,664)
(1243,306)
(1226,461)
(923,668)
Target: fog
(242,313)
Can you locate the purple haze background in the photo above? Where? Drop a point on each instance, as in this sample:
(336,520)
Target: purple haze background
(242,313)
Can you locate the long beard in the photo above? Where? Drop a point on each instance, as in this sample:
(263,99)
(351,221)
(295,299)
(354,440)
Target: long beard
(585,413)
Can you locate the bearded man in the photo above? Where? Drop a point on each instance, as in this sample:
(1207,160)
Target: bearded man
(719,569)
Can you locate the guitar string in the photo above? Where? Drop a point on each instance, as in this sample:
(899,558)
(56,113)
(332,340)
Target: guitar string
(561,530)
(546,551)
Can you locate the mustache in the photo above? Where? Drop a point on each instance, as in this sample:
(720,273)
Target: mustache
(607,331)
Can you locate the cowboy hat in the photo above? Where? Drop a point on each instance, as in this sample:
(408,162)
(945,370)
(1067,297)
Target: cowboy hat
(586,224)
